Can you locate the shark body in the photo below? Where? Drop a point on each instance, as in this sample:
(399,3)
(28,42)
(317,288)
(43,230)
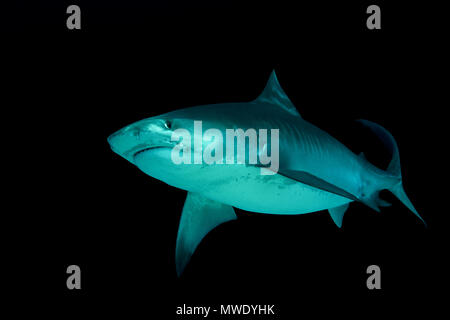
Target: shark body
(316,172)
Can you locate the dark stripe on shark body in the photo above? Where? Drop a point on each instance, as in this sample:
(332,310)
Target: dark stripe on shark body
(309,179)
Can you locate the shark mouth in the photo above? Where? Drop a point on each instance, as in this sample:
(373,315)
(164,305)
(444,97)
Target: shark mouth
(142,151)
(147,149)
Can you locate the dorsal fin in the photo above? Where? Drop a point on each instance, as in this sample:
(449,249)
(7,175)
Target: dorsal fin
(274,94)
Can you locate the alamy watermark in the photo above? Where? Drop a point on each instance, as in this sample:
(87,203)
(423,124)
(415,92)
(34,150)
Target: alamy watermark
(208,147)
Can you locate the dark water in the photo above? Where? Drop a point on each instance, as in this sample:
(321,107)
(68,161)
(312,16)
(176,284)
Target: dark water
(76,202)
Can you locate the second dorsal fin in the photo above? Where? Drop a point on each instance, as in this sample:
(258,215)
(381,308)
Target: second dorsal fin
(274,94)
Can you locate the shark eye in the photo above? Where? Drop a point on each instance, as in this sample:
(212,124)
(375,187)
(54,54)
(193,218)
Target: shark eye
(168,124)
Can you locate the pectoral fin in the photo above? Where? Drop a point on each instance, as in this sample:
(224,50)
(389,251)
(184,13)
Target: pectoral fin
(200,215)
(337,214)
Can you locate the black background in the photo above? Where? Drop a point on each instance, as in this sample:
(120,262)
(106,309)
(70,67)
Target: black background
(79,203)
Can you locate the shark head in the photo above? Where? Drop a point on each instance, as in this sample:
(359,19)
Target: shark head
(149,144)
(142,136)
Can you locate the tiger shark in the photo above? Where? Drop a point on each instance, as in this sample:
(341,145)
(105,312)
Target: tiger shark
(315,171)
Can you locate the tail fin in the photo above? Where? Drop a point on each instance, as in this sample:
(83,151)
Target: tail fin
(394,168)
(398,191)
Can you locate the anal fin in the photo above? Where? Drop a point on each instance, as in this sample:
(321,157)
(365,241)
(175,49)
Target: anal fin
(337,214)
(200,215)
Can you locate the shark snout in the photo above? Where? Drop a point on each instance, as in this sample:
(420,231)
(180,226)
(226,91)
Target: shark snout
(112,140)
(121,142)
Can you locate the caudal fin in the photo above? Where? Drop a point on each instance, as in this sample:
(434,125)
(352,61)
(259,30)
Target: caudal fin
(393,172)
(398,191)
